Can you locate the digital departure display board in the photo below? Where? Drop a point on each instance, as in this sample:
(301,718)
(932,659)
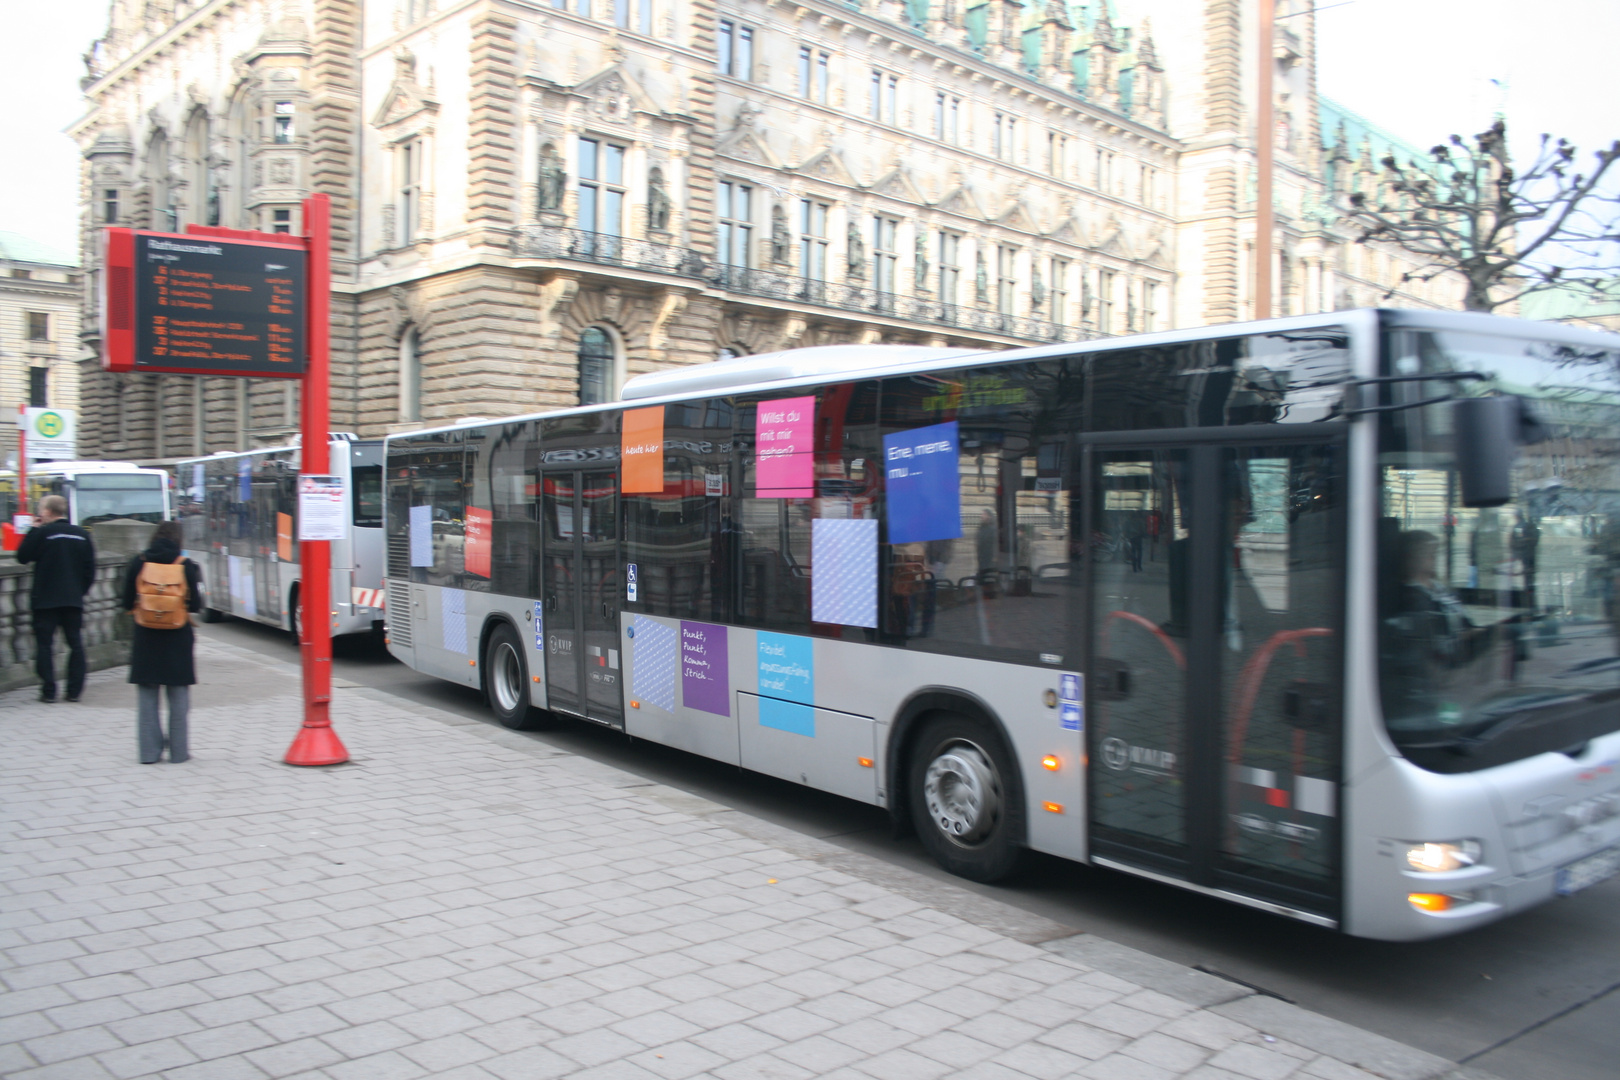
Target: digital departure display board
(200,305)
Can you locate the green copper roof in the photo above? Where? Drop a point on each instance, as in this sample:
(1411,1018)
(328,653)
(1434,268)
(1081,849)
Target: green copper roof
(15,247)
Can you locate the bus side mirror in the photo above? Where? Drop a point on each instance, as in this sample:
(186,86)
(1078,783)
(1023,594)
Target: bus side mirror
(1486,431)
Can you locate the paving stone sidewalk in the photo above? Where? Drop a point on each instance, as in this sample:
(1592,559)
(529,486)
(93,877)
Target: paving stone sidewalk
(468,903)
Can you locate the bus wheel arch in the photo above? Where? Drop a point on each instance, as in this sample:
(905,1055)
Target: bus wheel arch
(295,613)
(504,675)
(951,738)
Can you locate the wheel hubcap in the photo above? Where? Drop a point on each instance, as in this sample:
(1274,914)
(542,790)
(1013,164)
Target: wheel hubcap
(962,793)
(507,681)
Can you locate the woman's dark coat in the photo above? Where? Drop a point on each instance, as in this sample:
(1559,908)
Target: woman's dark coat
(163,657)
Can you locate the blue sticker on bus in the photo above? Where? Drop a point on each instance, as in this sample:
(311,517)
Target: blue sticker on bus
(539,626)
(1070,716)
(630,583)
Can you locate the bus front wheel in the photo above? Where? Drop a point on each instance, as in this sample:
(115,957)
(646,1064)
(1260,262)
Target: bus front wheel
(506,680)
(966,799)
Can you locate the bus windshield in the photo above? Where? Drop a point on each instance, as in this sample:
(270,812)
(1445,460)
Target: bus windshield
(1504,619)
(105,497)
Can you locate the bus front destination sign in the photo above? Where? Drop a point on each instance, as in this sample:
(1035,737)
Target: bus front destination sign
(203,305)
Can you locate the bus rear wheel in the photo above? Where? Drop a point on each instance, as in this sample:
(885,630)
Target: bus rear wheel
(966,799)
(506,681)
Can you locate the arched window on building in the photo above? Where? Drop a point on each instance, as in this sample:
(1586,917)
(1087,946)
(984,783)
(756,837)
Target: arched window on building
(410,375)
(597,357)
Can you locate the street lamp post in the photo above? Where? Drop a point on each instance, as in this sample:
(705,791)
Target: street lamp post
(1264,122)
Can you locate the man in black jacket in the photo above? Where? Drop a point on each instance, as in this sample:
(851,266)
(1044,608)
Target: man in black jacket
(64,569)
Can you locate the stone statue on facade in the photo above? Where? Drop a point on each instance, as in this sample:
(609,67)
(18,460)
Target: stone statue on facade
(658,202)
(855,254)
(981,282)
(1037,289)
(781,242)
(922,266)
(553,179)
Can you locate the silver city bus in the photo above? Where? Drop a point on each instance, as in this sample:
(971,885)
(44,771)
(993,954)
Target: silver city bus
(240,514)
(1318,615)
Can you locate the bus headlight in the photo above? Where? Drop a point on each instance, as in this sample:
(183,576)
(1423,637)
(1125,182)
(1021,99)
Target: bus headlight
(1439,858)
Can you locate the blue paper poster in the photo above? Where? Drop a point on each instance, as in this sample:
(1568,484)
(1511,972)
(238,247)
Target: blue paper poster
(923,483)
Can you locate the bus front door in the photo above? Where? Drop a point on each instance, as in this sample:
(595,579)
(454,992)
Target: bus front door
(1216,585)
(581,588)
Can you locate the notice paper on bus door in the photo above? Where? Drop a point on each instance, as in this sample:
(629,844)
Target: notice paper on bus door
(320,508)
(421,536)
(641,451)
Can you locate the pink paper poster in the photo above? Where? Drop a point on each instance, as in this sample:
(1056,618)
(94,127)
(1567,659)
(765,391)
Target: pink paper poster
(786,464)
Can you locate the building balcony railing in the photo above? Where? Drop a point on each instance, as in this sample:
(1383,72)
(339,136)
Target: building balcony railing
(577,245)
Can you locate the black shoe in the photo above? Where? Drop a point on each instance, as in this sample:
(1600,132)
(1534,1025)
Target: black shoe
(71,698)
(49,699)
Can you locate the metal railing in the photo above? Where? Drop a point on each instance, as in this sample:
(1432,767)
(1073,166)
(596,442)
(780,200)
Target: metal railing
(577,245)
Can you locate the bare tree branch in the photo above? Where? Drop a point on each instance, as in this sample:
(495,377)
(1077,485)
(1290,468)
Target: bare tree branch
(1468,211)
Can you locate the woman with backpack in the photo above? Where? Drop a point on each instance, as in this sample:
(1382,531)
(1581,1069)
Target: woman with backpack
(161,588)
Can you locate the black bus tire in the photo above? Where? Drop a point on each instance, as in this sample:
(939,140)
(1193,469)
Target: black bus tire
(506,681)
(966,798)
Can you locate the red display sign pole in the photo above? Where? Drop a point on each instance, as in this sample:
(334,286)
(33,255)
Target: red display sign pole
(317,743)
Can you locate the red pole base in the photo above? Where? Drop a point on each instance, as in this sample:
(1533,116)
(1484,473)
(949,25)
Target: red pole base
(316,746)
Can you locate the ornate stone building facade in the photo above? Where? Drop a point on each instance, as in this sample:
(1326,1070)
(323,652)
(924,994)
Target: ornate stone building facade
(535,199)
(40,303)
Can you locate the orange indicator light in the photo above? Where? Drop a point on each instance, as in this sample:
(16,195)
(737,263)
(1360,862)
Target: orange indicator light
(472,663)
(1053,807)
(1050,763)
(1428,901)
(537,678)
(866,762)
(633,704)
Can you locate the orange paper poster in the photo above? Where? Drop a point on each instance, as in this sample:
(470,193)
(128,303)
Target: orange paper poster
(641,449)
(284,537)
(479,527)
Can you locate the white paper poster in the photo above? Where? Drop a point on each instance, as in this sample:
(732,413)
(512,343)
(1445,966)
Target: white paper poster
(320,508)
(421,536)
(843,571)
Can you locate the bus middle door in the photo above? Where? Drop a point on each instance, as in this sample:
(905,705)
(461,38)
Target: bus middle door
(580,583)
(1216,588)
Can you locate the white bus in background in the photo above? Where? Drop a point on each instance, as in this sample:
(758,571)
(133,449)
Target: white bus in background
(1278,612)
(240,513)
(96,491)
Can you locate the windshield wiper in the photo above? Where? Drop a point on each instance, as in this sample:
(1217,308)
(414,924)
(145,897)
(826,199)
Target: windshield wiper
(1525,708)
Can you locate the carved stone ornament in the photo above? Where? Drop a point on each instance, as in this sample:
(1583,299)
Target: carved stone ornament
(553,178)
(658,201)
(855,253)
(281,171)
(781,242)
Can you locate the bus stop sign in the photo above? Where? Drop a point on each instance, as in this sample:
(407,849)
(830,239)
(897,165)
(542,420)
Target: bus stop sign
(203,305)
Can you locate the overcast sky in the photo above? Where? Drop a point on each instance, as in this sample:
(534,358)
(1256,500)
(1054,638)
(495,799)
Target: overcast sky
(1423,69)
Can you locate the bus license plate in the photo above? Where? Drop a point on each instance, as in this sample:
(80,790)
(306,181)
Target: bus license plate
(1587,872)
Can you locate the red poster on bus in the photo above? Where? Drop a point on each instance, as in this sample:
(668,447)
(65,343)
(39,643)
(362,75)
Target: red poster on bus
(480,526)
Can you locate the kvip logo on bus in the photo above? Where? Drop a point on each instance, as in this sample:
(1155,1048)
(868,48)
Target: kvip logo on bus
(1118,755)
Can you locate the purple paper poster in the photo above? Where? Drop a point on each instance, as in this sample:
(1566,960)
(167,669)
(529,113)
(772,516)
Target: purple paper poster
(705,680)
(786,466)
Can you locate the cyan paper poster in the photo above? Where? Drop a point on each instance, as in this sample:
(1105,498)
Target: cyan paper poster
(843,571)
(787,678)
(923,484)
(656,651)
(705,668)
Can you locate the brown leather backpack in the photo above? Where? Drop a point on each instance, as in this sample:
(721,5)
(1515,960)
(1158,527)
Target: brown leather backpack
(160,596)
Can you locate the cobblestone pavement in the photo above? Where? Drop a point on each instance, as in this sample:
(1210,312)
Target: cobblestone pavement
(466,902)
